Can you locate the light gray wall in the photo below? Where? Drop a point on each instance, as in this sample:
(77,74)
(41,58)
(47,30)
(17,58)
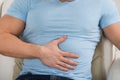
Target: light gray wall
(118,4)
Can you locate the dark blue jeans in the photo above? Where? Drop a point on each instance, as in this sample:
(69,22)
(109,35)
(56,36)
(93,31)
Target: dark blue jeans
(41,77)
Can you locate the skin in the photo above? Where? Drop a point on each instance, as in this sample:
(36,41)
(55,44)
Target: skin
(112,32)
(66,0)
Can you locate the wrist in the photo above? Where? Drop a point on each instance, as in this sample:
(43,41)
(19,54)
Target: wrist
(35,50)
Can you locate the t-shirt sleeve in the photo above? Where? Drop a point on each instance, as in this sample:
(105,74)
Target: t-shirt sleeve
(19,9)
(110,14)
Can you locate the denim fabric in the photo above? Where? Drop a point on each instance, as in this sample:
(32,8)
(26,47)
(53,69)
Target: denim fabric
(29,76)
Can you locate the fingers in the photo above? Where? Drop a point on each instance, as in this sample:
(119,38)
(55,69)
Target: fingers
(68,61)
(64,66)
(62,39)
(61,68)
(66,0)
(71,55)
(67,66)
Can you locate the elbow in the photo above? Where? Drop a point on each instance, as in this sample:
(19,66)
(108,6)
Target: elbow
(118,44)
(4,54)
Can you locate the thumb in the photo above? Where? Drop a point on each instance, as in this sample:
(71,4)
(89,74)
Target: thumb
(62,39)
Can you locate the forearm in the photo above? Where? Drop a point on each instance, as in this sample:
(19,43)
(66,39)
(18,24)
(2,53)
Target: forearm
(12,46)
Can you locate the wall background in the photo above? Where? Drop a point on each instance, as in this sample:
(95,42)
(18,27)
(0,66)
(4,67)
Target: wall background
(118,4)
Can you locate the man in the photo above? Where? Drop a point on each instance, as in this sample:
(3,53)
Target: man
(40,24)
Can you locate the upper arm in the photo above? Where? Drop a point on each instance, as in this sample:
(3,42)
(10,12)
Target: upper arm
(14,20)
(112,32)
(11,25)
(110,22)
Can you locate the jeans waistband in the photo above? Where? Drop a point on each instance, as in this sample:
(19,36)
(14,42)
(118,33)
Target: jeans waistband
(41,77)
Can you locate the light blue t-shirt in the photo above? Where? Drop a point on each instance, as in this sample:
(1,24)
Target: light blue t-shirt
(81,20)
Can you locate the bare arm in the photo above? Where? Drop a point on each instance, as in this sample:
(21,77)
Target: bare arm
(112,32)
(10,44)
(49,54)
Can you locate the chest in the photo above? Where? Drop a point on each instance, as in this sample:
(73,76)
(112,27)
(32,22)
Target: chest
(56,16)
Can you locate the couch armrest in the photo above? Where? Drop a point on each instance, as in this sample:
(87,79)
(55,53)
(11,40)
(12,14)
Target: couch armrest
(114,72)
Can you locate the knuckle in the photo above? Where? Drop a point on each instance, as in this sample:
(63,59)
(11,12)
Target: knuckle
(57,62)
(61,58)
(66,65)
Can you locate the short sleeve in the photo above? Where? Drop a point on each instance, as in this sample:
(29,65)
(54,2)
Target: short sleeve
(19,9)
(110,14)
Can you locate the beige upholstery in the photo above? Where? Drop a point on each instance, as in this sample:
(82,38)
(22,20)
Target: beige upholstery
(114,73)
(97,67)
(102,60)
(17,68)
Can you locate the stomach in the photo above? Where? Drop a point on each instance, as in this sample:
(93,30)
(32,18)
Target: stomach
(84,48)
